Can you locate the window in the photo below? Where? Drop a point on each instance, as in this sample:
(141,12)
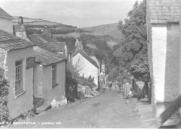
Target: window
(19,78)
(54,76)
(30,62)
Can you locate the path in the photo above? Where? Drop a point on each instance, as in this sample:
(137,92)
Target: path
(105,111)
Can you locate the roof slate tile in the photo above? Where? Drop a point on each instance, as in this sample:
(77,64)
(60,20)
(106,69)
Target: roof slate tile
(11,42)
(47,43)
(163,11)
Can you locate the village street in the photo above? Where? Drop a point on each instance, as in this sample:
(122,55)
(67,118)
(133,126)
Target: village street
(106,110)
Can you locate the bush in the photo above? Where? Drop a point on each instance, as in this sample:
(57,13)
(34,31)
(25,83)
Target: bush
(71,84)
(4,115)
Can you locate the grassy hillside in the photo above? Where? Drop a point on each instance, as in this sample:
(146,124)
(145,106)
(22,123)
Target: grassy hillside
(36,25)
(33,21)
(107,29)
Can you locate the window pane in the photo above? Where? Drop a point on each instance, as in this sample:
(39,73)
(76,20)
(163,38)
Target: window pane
(18,77)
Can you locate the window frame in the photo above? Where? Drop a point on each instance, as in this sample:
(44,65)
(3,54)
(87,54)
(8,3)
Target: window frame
(54,75)
(19,88)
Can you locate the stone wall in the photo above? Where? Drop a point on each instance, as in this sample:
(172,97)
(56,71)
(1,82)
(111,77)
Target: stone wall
(3,67)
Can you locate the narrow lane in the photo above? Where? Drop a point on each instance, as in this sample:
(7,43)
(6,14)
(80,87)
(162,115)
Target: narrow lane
(107,110)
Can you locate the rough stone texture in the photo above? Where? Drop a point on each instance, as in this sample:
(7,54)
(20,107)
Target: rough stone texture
(3,55)
(162,11)
(11,42)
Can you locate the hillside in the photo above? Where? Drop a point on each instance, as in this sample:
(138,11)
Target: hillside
(33,21)
(36,25)
(98,40)
(107,29)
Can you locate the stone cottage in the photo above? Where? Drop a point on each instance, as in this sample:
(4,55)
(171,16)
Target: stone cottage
(32,72)
(164,49)
(34,66)
(14,52)
(51,55)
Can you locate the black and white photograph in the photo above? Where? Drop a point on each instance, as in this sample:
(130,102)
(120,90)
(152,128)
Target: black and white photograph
(90,64)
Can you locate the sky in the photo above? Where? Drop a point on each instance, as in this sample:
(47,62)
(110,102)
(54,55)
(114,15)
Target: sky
(80,13)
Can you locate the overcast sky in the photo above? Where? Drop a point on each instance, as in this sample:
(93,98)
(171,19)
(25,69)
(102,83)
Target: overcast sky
(80,13)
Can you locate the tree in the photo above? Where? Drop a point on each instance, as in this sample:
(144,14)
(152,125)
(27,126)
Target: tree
(132,53)
(102,50)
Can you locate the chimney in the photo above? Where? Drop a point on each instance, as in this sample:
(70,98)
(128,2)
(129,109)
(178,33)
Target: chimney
(19,29)
(78,44)
(20,20)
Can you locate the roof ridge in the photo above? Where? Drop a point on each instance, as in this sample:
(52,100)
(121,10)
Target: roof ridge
(87,56)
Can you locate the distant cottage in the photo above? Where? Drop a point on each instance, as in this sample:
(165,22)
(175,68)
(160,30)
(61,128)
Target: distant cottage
(84,64)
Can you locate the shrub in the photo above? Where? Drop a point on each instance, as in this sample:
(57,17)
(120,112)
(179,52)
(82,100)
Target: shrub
(71,84)
(4,115)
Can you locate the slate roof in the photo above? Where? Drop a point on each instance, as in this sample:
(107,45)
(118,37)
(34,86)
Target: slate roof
(11,42)
(84,54)
(47,43)
(46,57)
(163,11)
(5,15)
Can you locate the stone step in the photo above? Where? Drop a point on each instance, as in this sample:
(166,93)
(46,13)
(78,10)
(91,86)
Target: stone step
(42,108)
